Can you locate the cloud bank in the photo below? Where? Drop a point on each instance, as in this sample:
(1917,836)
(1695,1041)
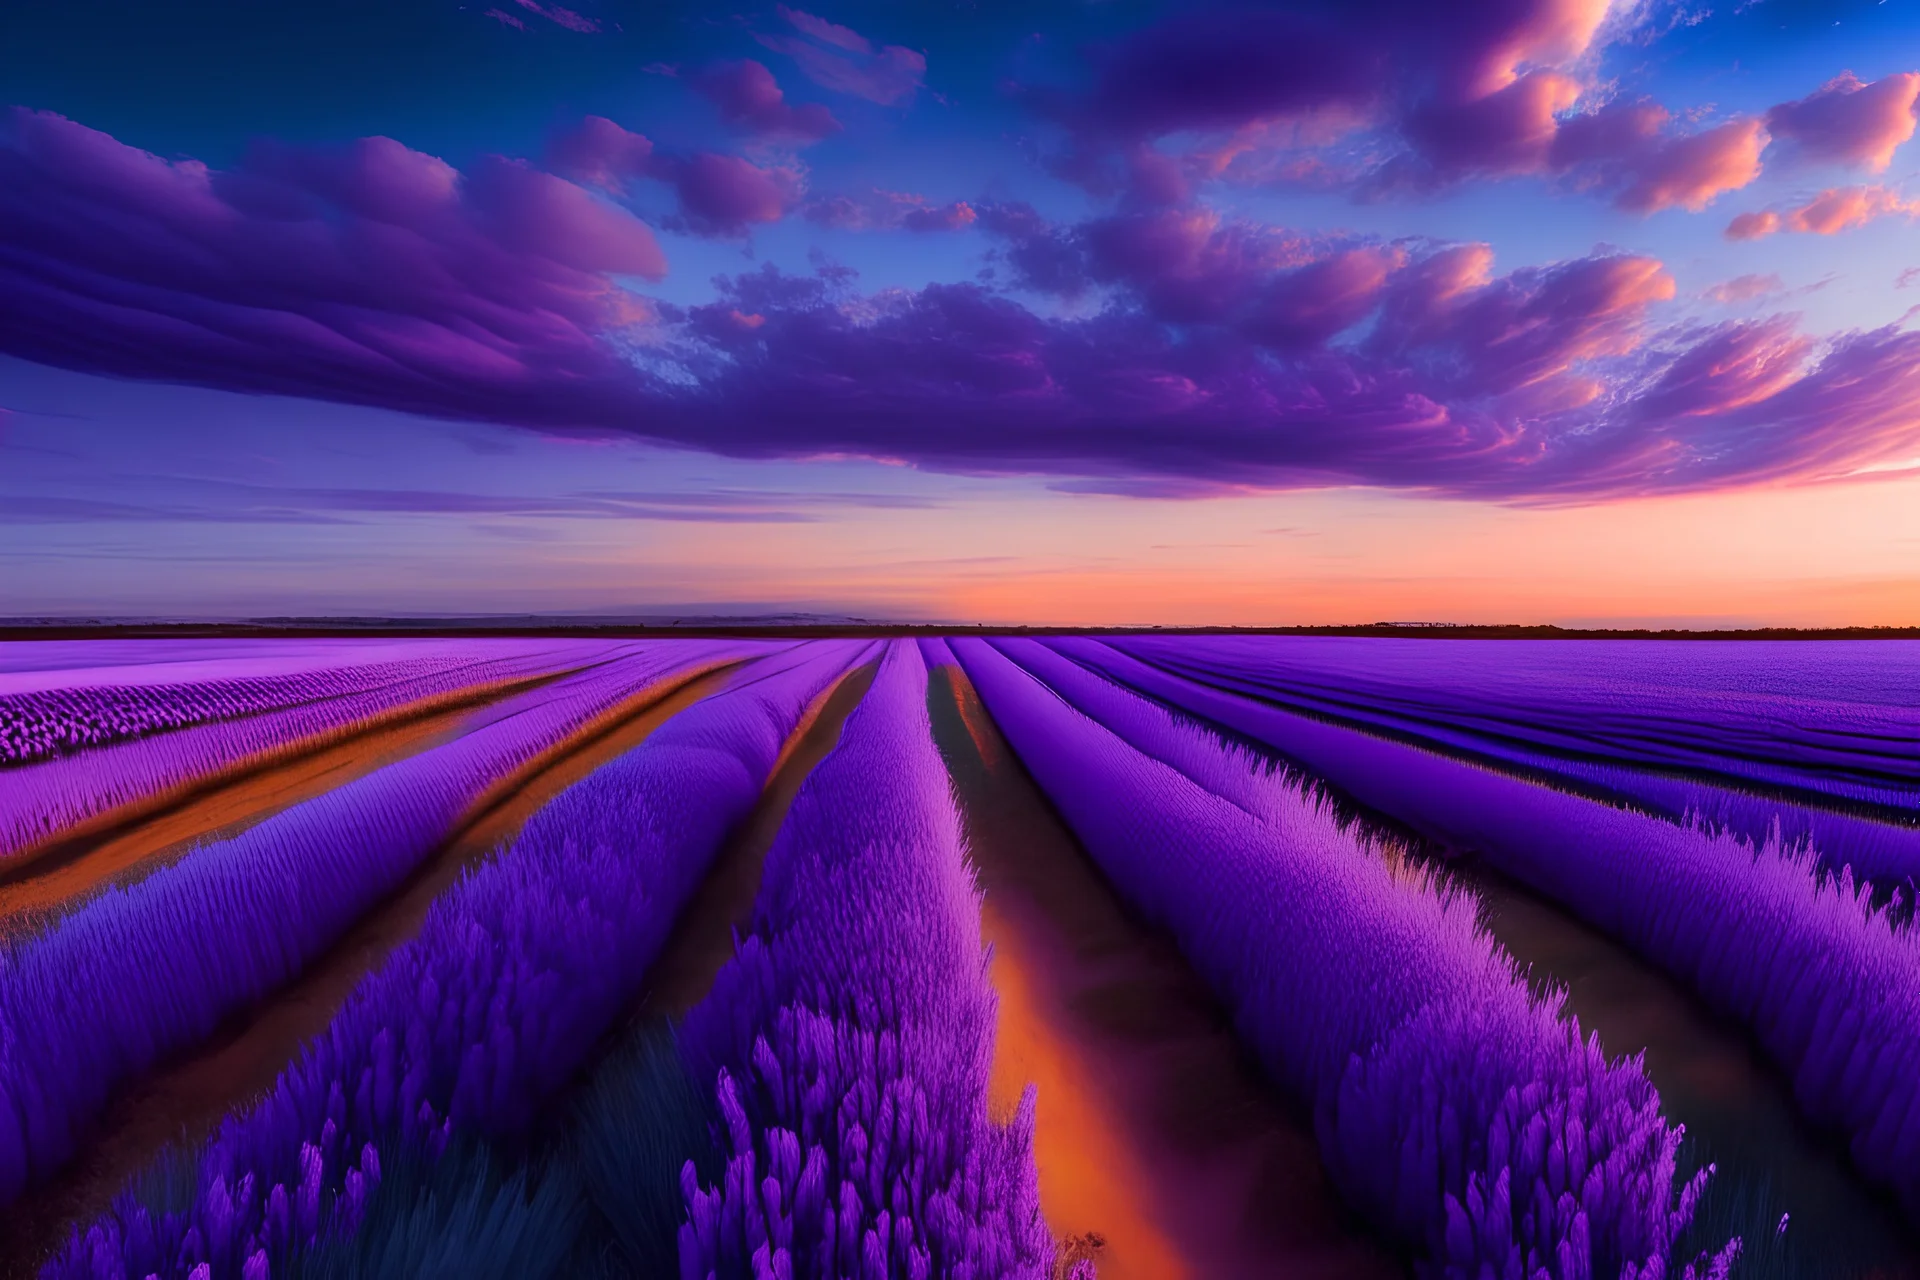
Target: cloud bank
(1158,346)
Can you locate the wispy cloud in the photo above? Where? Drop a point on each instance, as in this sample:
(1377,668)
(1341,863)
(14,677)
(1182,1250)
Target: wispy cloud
(202,501)
(841,59)
(1829,213)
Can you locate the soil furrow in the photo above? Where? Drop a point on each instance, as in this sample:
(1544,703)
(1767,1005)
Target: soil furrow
(185,1101)
(54,885)
(1735,1105)
(77,858)
(701,942)
(1162,1151)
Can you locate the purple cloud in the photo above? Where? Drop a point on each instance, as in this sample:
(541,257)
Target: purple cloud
(724,195)
(1848,121)
(720,195)
(750,99)
(559,17)
(1627,148)
(1436,94)
(231,503)
(1829,213)
(1543,385)
(830,33)
(841,59)
(1746,288)
(1209,354)
(889,211)
(369,273)
(1222,68)
(600,152)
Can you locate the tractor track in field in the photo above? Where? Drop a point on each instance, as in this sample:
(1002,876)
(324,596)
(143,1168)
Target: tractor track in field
(132,840)
(184,1101)
(1163,1154)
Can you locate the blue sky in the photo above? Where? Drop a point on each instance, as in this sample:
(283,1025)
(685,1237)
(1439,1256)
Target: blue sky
(1057,315)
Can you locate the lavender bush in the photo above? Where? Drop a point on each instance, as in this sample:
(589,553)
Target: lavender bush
(1452,1107)
(469,1029)
(850,1039)
(42,799)
(141,973)
(51,722)
(1766,752)
(1828,984)
(1835,720)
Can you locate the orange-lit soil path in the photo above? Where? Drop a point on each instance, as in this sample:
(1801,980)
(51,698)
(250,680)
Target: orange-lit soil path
(1156,1135)
(186,1100)
(702,939)
(138,837)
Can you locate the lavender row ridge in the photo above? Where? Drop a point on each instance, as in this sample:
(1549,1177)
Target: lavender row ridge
(1460,1114)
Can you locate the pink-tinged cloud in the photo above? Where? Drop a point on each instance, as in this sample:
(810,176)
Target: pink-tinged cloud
(723,195)
(560,17)
(599,152)
(720,195)
(880,210)
(1541,386)
(1540,34)
(1437,94)
(947,217)
(1510,130)
(1848,121)
(505,19)
(750,99)
(1689,172)
(1746,288)
(1304,308)
(1184,266)
(1732,367)
(1626,147)
(1828,213)
(1211,355)
(1753,226)
(1844,208)
(825,32)
(844,61)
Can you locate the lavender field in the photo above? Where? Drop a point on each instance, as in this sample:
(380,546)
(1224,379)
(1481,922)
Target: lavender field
(1129,956)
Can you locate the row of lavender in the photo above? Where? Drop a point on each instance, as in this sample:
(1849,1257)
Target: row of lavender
(1815,746)
(50,797)
(852,1036)
(1671,758)
(469,1028)
(140,974)
(42,723)
(843,1053)
(1458,1111)
(1840,720)
(1828,984)
(845,1049)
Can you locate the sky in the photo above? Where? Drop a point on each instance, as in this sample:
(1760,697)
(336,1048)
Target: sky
(1075,312)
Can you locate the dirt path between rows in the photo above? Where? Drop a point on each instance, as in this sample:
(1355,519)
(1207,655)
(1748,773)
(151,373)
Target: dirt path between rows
(1157,1137)
(186,1101)
(702,939)
(137,838)
(1712,1080)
